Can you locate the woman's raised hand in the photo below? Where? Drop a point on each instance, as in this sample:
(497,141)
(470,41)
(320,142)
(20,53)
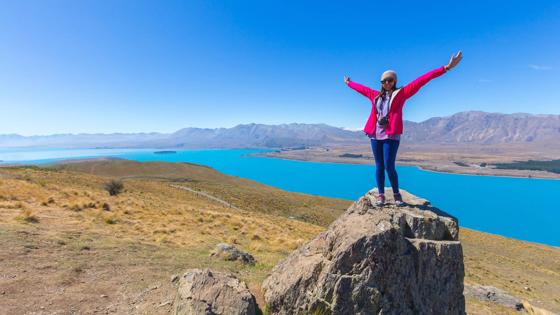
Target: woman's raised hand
(346,79)
(454,60)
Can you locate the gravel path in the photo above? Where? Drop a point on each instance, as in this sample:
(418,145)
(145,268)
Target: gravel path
(207,195)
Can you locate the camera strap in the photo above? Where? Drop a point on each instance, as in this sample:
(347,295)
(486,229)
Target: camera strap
(380,102)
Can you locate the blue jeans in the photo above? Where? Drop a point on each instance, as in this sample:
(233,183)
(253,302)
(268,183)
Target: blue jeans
(385,154)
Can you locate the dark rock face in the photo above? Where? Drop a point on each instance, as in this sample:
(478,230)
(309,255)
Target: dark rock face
(374,260)
(231,253)
(203,292)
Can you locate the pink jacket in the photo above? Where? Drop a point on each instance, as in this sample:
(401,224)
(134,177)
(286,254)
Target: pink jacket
(398,98)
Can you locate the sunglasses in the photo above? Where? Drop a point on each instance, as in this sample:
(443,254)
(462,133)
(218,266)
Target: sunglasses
(388,80)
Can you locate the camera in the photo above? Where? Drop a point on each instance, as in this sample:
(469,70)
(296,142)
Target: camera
(383,121)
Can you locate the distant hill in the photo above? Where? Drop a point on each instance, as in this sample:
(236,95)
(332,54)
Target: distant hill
(240,136)
(462,128)
(485,128)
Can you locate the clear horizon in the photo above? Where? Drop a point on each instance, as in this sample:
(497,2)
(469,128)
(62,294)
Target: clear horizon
(258,123)
(140,66)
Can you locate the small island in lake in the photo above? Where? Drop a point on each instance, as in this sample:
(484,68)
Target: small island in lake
(165,152)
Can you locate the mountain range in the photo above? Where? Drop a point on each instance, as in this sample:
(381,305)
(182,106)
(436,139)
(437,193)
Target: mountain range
(473,127)
(485,128)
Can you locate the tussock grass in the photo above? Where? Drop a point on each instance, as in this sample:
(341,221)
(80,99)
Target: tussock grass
(28,216)
(242,193)
(153,211)
(154,223)
(110,220)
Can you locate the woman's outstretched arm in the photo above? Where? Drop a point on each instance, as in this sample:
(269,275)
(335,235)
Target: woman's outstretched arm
(410,89)
(362,89)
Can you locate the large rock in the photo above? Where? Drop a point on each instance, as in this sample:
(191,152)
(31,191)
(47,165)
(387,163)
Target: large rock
(374,260)
(206,292)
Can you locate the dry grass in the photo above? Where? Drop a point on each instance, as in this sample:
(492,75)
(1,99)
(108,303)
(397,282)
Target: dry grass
(86,241)
(527,270)
(28,216)
(175,230)
(149,211)
(243,193)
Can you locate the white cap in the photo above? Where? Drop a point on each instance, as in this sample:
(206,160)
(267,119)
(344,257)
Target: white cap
(388,74)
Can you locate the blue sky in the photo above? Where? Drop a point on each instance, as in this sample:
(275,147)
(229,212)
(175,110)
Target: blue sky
(143,66)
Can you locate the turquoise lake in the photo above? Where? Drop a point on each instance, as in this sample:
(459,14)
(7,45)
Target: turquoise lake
(520,208)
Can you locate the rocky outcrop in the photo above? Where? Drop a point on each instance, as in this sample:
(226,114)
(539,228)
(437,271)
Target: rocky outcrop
(374,260)
(493,295)
(231,253)
(490,294)
(203,292)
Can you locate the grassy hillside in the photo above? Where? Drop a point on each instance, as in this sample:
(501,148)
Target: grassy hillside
(243,193)
(66,244)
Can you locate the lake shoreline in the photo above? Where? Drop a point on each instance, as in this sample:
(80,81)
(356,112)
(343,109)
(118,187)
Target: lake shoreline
(445,169)
(348,180)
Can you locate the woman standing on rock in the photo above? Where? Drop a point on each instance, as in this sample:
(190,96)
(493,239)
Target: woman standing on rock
(385,124)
